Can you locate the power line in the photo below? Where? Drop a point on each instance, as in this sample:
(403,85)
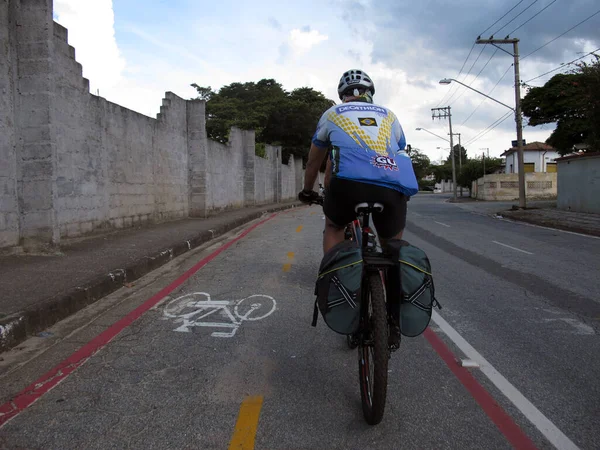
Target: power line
(534,16)
(507,23)
(461,69)
(561,66)
(489,128)
(509,11)
(476,76)
(561,35)
(489,93)
(468,73)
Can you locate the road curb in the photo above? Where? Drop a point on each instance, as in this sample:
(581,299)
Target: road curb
(549,223)
(17,327)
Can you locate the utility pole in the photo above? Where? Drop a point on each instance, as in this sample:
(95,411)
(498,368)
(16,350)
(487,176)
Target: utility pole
(483,159)
(518,115)
(442,113)
(459,160)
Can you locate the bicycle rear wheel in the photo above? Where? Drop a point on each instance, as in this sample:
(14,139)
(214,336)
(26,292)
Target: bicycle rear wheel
(373,352)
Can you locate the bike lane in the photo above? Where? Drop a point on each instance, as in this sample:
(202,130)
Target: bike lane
(165,382)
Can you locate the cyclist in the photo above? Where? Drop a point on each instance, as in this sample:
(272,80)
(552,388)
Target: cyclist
(368,162)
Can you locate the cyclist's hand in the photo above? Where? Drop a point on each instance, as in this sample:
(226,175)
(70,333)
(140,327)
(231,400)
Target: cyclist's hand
(307,196)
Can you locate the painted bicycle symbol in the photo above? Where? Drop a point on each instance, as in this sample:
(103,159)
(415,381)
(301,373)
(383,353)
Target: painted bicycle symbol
(197,309)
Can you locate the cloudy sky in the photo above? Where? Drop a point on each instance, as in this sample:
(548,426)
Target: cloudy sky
(134,51)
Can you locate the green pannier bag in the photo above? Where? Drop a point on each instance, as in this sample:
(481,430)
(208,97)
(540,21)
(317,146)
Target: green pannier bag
(338,288)
(415,288)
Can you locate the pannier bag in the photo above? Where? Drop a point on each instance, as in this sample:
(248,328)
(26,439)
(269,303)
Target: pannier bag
(338,288)
(415,288)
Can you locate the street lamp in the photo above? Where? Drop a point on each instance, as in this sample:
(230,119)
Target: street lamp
(519,121)
(424,129)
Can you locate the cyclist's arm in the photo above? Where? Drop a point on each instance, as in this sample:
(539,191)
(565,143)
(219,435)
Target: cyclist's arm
(398,134)
(316,155)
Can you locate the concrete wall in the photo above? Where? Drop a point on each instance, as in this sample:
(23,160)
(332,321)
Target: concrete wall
(9,210)
(266,173)
(445,186)
(579,184)
(225,174)
(505,186)
(73,163)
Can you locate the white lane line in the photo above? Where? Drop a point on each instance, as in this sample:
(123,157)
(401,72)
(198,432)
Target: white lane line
(534,415)
(442,224)
(514,248)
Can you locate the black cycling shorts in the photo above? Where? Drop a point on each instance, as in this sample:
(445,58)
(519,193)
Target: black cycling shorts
(343,195)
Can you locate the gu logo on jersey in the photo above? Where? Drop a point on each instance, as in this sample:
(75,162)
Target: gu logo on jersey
(384,162)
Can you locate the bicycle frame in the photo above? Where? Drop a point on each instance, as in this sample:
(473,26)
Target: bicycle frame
(374,261)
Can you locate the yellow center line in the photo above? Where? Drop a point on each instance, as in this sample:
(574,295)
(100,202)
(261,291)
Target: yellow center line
(247,423)
(290,255)
(287,267)
(299,229)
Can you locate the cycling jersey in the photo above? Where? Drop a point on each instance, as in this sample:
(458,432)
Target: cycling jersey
(368,146)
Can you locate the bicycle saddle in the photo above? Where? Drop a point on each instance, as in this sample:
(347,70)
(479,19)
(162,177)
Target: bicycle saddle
(368,207)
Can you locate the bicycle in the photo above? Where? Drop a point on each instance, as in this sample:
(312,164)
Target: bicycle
(373,336)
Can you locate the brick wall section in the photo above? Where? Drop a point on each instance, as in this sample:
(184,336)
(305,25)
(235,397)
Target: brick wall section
(34,125)
(197,151)
(225,173)
(264,168)
(9,213)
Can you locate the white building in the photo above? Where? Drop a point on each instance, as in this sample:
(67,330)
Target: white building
(537,157)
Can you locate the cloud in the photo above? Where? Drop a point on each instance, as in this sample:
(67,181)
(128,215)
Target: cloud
(91,25)
(274,23)
(302,40)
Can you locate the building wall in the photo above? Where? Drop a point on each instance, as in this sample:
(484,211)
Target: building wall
(539,158)
(9,209)
(579,184)
(506,186)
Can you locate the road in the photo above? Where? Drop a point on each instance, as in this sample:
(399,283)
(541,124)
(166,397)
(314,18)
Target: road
(522,301)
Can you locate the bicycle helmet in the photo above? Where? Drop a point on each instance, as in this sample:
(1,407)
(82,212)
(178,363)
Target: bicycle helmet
(355,78)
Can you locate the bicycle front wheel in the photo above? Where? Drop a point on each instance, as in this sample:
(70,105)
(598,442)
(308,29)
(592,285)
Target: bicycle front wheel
(373,352)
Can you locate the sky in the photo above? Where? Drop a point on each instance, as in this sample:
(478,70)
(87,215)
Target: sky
(134,51)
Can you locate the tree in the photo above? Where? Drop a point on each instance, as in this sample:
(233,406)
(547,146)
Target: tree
(204,93)
(463,155)
(278,117)
(572,101)
(420,162)
(442,172)
(473,169)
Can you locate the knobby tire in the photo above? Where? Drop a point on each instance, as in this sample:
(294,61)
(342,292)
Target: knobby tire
(373,358)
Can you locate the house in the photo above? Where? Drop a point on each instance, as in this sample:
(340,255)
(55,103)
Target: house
(537,157)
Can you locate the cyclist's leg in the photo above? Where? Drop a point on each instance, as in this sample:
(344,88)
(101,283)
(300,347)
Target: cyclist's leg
(328,171)
(339,210)
(333,235)
(390,224)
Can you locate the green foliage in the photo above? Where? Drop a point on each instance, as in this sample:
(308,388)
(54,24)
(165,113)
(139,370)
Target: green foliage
(457,156)
(426,185)
(442,172)
(278,117)
(260,149)
(473,170)
(420,161)
(572,101)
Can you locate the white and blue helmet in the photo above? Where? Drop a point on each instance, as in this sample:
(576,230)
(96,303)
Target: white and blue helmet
(355,78)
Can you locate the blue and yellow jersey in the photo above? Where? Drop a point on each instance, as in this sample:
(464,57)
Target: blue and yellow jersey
(368,146)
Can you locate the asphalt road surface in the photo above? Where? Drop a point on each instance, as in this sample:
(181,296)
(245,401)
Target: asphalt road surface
(215,350)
